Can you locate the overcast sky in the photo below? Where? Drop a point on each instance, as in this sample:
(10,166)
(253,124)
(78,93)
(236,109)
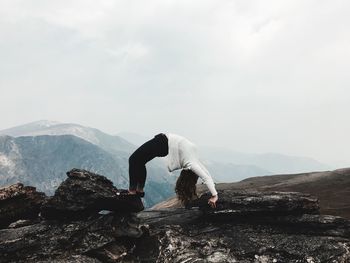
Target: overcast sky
(253,76)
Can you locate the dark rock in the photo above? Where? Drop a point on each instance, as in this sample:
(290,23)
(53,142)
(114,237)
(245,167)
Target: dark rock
(323,225)
(171,216)
(19,202)
(241,203)
(23,222)
(84,193)
(245,227)
(217,242)
(53,240)
(251,227)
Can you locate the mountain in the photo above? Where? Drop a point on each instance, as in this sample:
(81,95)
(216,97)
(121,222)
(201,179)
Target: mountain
(27,129)
(220,170)
(41,161)
(226,165)
(113,144)
(332,188)
(275,163)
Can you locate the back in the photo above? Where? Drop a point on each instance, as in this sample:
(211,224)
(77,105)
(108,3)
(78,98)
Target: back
(181,151)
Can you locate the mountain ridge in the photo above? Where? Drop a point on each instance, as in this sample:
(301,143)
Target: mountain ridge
(270,163)
(114,144)
(273,162)
(40,160)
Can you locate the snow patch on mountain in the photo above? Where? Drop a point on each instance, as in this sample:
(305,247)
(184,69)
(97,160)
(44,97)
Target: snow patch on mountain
(66,129)
(26,129)
(5,161)
(114,144)
(46,123)
(8,168)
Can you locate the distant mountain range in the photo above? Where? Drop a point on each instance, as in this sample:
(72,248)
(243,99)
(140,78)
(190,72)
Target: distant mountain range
(110,143)
(43,160)
(221,170)
(227,165)
(275,163)
(39,153)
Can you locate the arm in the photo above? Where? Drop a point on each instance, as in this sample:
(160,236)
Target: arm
(203,173)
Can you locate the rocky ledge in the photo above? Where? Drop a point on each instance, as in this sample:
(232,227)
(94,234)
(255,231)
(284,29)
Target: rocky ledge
(89,220)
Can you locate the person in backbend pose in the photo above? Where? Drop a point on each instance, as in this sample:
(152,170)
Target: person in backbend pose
(181,154)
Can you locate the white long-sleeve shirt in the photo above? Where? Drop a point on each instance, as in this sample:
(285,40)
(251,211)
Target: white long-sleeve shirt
(183,155)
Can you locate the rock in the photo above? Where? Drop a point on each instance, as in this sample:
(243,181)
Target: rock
(245,227)
(239,203)
(171,216)
(19,202)
(325,225)
(50,241)
(251,227)
(23,222)
(84,193)
(227,242)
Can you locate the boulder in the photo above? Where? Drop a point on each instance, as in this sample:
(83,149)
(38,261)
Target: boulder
(19,202)
(84,193)
(68,241)
(239,203)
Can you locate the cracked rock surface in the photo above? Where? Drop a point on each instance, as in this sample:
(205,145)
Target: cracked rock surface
(245,227)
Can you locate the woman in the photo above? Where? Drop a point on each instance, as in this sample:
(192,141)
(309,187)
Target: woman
(181,154)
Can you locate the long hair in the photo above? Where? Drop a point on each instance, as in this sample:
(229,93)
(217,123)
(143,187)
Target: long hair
(185,187)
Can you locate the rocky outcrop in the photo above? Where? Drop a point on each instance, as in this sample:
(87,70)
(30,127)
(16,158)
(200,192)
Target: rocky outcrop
(19,202)
(85,193)
(62,241)
(242,242)
(252,202)
(245,227)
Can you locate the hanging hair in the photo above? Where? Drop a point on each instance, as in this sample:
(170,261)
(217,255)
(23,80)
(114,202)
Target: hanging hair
(185,187)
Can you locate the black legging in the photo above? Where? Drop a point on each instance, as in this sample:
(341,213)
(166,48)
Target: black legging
(156,147)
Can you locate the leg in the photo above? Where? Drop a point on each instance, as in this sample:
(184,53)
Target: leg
(156,147)
(133,173)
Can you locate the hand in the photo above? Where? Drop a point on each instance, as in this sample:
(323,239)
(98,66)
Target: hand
(212,201)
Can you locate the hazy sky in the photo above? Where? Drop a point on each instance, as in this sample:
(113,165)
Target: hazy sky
(253,76)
